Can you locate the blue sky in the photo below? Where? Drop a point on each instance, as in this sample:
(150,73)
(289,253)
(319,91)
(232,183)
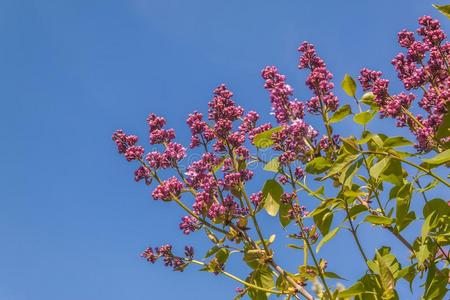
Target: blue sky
(72,220)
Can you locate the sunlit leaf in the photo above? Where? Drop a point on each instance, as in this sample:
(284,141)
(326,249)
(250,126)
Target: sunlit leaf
(379,167)
(333,275)
(222,255)
(436,283)
(364,117)
(368,99)
(323,220)
(212,251)
(341,113)
(379,220)
(348,85)
(354,290)
(317,165)
(403,218)
(387,278)
(283,215)
(327,238)
(396,141)
(272,191)
(393,173)
(436,206)
(444,9)
(264,139)
(273,165)
(439,159)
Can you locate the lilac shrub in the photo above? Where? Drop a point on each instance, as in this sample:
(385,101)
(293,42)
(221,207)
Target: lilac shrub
(354,171)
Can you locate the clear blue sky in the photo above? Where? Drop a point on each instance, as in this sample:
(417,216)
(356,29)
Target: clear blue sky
(72,220)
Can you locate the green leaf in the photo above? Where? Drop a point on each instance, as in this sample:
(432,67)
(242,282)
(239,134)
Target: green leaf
(436,284)
(408,219)
(348,85)
(379,220)
(293,246)
(319,192)
(272,191)
(327,238)
(427,225)
(333,275)
(261,277)
(354,290)
(403,202)
(273,165)
(436,206)
(379,167)
(341,113)
(387,278)
(347,175)
(439,159)
(408,273)
(318,165)
(389,295)
(212,251)
(323,220)
(422,254)
(444,9)
(252,258)
(281,283)
(257,294)
(264,278)
(366,136)
(264,139)
(369,99)
(356,210)
(364,117)
(396,141)
(393,173)
(222,255)
(341,163)
(378,140)
(444,129)
(349,145)
(284,214)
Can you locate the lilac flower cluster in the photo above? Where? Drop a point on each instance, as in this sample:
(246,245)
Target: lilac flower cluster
(168,189)
(169,259)
(292,141)
(424,66)
(126,144)
(189,224)
(318,81)
(223,143)
(280,92)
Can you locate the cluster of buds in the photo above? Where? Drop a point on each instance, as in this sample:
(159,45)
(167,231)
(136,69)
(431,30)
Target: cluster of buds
(169,259)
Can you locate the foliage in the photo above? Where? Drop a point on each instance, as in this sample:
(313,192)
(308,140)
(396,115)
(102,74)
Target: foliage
(371,178)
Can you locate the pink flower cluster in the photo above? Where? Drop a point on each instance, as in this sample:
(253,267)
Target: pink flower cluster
(158,135)
(283,109)
(292,141)
(189,224)
(173,153)
(318,81)
(168,189)
(425,67)
(126,144)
